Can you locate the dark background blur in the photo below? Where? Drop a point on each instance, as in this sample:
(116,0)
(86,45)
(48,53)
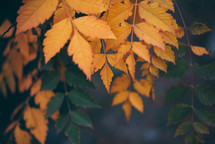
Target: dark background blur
(109,122)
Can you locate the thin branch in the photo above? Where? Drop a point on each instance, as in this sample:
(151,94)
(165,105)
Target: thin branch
(190,57)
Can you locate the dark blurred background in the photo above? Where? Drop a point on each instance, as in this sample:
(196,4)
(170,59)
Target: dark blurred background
(109,122)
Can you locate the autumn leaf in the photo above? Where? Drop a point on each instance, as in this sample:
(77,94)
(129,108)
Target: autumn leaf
(167,55)
(168,4)
(106,76)
(36,122)
(56,38)
(136,101)
(121,65)
(4,27)
(170,38)
(22,136)
(82,53)
(159,63)
(130,61)
(127,110)
(98,62)
(36,87)
(141,50)
(143,87)
(199,51)
(94,28)
(122,51)
(33,13)
(120,98)
(120,83)
(88,6)
(42,98)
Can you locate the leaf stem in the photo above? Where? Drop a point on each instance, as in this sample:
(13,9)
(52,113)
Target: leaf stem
(133,23)
(67,97)
(190,57)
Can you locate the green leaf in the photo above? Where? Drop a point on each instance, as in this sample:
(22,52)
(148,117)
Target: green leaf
(181,50)
(206,115)
(55,104)
(199,138)
(191,139)
(200,128)
(207,71)
(47,66)
(77,78)
(80,118)
(176,93)
(198,28)
(82,99)
(50,80)
(206,94)
(61,122)
(177,70)
(73,132)
(184,128)
(178,113)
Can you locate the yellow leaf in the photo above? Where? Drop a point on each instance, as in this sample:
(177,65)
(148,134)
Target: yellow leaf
(130,61)
(145,66)
(168,4)
(22,44)
(180,32)
(33,13)
(4,27)
(120,83)
(170,38)
(94,28)
(143,87)
(152,13)
(96,46)
(118,13)
(167,55)
(127,110)
(141,50)
(150,78)
(120,65)
(25,83)
(149,34)
(88,6)
(122,51)
(136,101)
(61,13)
(120,98)
(21,136)
(42,98)
(159,63)
(82,53)
(121,32)
(154,71)
(36,87)
(106,76)
(56,38)
(145,72)
(199,51)
(36,123)
(98,61)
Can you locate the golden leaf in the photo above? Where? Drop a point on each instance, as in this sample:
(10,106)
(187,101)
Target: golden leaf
(56,38)
(121,32)
(42,98)
(22,44)
(167,55)
(149,34)
(120,98)
(94,28)
(143,87)
(98,61)
(106,76)
(122,51)
(61,14)
(88,6)
(199,51)
(180,32)
(21,136)
(159,63)
(36,123)
(36,87)
(127,110)
(121,65)
(168,4)
(25,83)
(118,13)
(170,38)
(141,50)
(4,27)
(120,83)
(96,46)
(82,53)
(136,101)
(33,13)
(154,71)
(152,13)
(130,61)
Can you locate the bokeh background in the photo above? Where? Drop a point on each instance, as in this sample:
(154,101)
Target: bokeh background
(110,126)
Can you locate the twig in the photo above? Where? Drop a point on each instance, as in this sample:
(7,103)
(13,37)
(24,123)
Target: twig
(7,30)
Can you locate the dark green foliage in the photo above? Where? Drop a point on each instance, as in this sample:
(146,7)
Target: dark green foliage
(198,28)
(191,139)
(178,113)
(206,115)
(80,98)
(50,80)
(200,128)
(206,71)
(176,93)
(181,51)
(184,128)
(80,118)
(54,104)
(206,94)
(61,122)
(73,132)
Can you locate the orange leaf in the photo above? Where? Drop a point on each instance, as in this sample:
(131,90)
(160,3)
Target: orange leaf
(159,63)
(98,61)
(120,83)
(34,12)
(167,55)
(120,98)
(143,87)
(136,101)
(127,110)
(4,27)
(130,61)
(122,51)
(21,136)
(36,87)
(141,50)
(42,98)
(199,51)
